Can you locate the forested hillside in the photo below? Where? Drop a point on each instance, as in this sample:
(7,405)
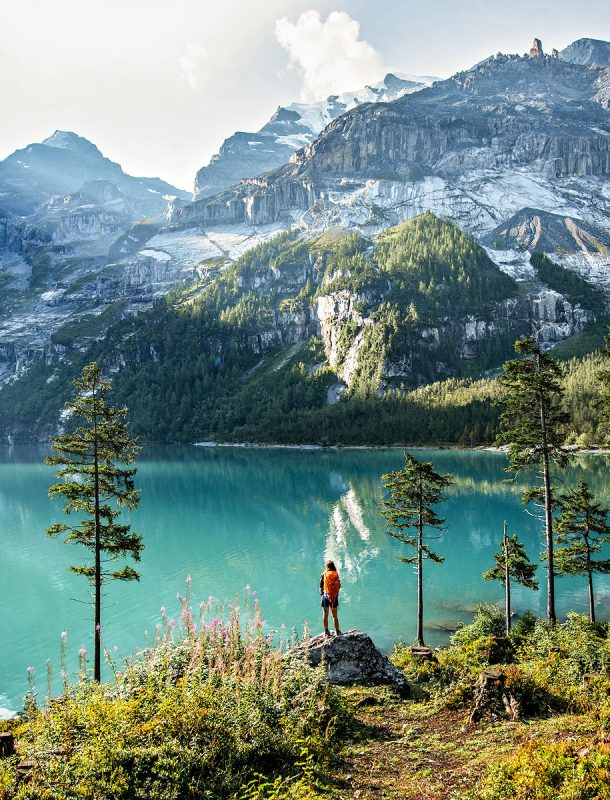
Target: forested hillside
(324,341)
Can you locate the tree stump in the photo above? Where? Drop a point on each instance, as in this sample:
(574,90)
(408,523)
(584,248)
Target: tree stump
(487,689)
(7,745)
(24,769)
(591,677)
(492,698)
(422,653)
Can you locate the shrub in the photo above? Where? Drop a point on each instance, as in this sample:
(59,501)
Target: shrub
(489,621)
(203,716)
(522,628)
(549,772)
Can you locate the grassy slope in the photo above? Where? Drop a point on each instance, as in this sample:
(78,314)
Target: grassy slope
(233,717)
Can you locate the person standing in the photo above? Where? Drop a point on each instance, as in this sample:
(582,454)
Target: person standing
(329,591)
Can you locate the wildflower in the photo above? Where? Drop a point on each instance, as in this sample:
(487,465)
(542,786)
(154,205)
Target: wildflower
(82,652)
(97,627)
(189,580)
(64,635)
(172,624)
(247,587)
(31,671)
(254,594)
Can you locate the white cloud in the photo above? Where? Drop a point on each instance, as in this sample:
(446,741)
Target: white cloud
(191,62)
(329,55)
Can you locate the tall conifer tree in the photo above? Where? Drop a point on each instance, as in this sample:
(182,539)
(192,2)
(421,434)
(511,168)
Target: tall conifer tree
(512,564)
(581,531)
(96,481)
(533,427)
(414,490)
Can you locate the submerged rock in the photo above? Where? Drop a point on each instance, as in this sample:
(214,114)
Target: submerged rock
(350,659)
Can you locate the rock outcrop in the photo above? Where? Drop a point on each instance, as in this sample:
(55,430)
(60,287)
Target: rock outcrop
(350,659)
(245,155)
(536,50)
(469,147)
(543,232)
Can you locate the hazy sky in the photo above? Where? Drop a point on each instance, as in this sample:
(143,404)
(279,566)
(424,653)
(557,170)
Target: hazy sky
(158,84)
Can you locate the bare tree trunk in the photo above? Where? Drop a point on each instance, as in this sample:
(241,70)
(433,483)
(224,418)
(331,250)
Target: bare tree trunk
(97,666)
(506,580)
(590,581)
(420,592)
(548,516)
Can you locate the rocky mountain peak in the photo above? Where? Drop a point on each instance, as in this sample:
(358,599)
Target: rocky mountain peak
(67,140)
(536,50)
(587,52)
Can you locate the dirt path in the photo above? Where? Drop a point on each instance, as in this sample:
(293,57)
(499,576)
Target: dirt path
(400,749)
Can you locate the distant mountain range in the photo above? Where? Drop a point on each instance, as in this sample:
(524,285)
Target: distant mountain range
(60,165)
(515,152)
(511,132)
(244,155)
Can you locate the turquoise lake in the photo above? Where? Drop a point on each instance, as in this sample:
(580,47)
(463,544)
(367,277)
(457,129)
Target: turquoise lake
(266,518)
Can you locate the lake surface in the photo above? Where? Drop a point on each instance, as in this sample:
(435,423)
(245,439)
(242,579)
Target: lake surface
(266,518)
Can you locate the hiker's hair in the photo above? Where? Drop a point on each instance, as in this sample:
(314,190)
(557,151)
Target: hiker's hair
(331,565)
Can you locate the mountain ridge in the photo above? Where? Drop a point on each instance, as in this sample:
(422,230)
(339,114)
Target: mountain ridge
(245,155)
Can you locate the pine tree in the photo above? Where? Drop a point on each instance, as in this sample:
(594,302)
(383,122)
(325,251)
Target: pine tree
(581,531)
(96,482)
(533,428)
(512,564)
(414,490)
(604,379)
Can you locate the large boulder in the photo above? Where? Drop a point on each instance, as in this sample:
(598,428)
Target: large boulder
(350,659)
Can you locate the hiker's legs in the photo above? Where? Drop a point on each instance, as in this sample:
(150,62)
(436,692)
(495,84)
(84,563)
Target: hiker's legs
(325,617)
(335,618)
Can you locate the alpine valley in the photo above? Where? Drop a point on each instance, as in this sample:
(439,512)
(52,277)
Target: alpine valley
(354,272)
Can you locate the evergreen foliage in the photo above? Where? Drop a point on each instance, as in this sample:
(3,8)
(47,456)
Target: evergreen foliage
(534,428)
(435,266)
(414,491)
(96,482)
(512,564)
(581,531)
(209,362)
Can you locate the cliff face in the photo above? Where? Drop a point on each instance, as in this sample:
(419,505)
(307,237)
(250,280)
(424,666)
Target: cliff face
(245,155)
(508,127)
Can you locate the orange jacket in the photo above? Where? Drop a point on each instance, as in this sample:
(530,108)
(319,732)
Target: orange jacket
(332,584)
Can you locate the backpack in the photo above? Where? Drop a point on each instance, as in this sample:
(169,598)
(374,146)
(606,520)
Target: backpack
(332,584)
